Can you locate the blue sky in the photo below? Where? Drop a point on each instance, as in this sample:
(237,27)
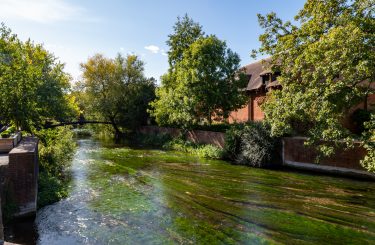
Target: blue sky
(76,30)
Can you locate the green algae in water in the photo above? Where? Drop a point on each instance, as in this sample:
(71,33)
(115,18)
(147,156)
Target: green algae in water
(172,197)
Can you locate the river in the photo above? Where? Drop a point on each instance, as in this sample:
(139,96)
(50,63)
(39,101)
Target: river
(139,196)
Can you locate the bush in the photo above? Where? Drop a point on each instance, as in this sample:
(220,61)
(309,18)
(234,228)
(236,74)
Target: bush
(204,151)
(209,151)
(56,150)
(8,132)
(251,144)
(156,140)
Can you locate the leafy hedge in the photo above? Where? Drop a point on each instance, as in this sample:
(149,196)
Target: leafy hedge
(56,150)
(252,144)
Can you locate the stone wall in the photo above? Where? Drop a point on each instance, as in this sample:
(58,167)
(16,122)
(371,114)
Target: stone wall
(196,136)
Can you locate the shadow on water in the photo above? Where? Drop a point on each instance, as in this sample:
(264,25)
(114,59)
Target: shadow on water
(124,195)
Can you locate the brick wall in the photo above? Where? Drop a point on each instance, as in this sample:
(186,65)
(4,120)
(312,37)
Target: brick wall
(256,112)
(294,151)
(241,115)
(23,175)
(196,136)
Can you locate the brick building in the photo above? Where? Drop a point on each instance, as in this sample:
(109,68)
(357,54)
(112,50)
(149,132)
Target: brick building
(262,80)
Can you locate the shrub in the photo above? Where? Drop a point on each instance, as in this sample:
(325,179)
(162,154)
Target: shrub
(157,140)
(56,150)
(233,136)
(204,151)
(8,132)
(251,144)
(209,151)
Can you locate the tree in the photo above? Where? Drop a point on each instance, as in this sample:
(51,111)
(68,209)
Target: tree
(327,66)
(33,86)
(116,90)
(203,82)
(186,32)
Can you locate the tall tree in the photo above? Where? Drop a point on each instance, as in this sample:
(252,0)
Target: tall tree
(186,32)
(327,66)
(203,82)
(117,90)
(33,86)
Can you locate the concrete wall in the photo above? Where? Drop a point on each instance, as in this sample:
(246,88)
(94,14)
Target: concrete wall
(196,136)
(296,154)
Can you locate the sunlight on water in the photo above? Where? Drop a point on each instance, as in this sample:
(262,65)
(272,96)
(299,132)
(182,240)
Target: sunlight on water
(132,196)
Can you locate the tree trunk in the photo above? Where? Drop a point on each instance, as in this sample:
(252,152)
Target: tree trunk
(117,130)
(209,118)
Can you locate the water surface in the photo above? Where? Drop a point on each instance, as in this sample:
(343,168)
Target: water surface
(134,196)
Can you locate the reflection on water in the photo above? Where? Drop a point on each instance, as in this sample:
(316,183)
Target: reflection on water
(127,196)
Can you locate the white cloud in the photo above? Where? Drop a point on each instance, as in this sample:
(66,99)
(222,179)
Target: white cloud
(164,53)
(43,11)
(153,49)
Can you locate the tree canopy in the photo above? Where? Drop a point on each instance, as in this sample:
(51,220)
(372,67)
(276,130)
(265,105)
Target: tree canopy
(33,86)
(116,90)
(204,79)
(327,63)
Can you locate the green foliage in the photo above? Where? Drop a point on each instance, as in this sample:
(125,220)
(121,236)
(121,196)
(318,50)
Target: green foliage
(360,117)
(233,136)
(252,144)
(369,138)
(83,132)
(186,32)
(8,132)
(116,90)
(56,150)
(208,151)
(33,85)
(327,66)
(203,151)
(156,140)
(203,81)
